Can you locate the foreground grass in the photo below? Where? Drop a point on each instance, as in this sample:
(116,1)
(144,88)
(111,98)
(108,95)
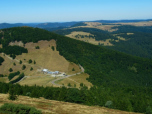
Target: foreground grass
(58,107)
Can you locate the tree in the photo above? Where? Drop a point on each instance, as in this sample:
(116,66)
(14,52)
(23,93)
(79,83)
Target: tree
(30,61)
(14,64)
(10,69)
(31,68)
(73,69)
(12,95)
(69,85)
(20,62)
(23,67)
(37,47)
(52,48)
(34,62)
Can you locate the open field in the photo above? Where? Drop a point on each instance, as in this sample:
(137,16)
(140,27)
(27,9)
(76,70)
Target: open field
(58,107)
(146,23)
(38,80)
(76,80)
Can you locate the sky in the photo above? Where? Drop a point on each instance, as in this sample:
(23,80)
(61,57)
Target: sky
(29,11)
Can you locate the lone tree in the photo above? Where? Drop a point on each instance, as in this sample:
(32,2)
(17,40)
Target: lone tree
(12,95)
(20,62)
(31,68)
(23,67)
(30,61)
(37,47)
(53,48)
(10,69)
(34,62)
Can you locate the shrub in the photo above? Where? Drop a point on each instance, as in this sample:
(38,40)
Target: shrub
(30,61)
(20,62)
(23,67)
(53,48)
(109,104)
(18,109)
(31,68)
(10,69)
(148,110)
(37,47)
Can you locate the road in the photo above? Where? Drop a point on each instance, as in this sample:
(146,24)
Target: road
(53,82)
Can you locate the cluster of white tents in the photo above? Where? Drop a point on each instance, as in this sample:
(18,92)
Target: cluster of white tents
(46,71)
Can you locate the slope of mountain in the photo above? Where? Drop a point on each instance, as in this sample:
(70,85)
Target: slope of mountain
(131,38)
(116,75)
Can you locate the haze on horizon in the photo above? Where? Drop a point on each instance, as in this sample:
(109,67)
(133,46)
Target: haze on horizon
(28,11)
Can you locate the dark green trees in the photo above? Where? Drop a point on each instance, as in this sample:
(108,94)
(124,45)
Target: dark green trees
(23,67)
(12,95)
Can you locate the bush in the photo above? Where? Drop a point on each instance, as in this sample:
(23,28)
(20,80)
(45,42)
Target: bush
(18,109)
(23,67)
(11,70)
(53,48)
(30,61)
(148,110)
(37,47)
(109,104)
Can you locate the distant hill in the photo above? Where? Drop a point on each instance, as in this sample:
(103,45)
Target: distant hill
(50,25)
(132,38)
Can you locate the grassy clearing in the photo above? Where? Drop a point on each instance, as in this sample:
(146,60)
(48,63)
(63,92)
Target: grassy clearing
(3,79)
(89,40)
(57,107)
(37,80)
(76,80)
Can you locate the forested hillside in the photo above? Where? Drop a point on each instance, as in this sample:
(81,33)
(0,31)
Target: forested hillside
(122,79)
(137,43)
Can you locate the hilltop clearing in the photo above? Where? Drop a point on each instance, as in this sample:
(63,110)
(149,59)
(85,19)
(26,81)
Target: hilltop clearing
(44,57)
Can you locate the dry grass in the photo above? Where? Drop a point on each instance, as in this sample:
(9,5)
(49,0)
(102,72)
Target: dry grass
(130,33)
(73,66)
(3,79)
(146,23)
(37,80)
(20,43)
(45,57)
(76,80)
(58,107)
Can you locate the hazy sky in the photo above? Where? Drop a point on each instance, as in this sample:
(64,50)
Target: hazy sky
(25,11)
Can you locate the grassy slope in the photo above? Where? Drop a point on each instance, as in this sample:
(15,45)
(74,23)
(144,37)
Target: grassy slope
(45,57)
(58,107)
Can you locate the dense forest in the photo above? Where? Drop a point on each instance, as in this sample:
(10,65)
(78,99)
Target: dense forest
(137,99)
(120,80)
